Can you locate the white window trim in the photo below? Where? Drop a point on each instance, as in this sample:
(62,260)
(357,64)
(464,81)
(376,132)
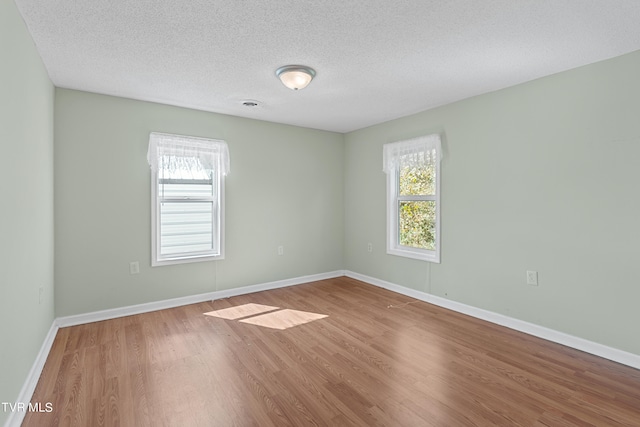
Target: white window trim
(223,167)
(391,169)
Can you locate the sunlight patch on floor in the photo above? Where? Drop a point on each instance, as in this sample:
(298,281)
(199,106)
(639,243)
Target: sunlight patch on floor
(245,310)
(253,314)
(283,319)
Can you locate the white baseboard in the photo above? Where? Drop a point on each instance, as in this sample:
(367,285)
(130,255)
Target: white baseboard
(16,417)
(577,343)
(113,313)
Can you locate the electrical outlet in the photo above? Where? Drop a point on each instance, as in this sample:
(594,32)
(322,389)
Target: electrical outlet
(532,278)
(134,267)
(369,247)
(280,250)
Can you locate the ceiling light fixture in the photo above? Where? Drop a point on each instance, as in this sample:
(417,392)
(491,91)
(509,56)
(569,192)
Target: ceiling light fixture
(295,76)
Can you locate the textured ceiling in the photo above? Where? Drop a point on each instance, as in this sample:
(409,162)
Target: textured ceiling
(375,59)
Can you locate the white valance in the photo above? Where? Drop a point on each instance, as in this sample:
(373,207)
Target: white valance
(421,151)
(177,155)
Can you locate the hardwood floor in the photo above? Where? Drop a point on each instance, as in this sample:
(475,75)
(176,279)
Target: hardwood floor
(364,365)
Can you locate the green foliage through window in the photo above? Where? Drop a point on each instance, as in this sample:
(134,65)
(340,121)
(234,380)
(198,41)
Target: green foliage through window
(417,180)
(417,218)
(418,224)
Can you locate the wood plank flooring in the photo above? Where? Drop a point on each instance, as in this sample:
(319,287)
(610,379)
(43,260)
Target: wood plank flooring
(366,364)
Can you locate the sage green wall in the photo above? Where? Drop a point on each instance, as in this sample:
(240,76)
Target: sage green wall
(26,215)
(542,176)
(285,188)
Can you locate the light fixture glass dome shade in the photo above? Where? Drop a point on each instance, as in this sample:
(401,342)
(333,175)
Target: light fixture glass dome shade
(295,76)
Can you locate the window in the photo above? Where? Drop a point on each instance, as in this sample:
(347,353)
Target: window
(413,197)
(187,198)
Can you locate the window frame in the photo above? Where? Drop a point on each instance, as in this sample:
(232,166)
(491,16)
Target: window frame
(218,221)
(393,215)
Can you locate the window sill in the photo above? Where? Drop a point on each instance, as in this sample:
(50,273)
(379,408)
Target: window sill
(185,260)
(419,254)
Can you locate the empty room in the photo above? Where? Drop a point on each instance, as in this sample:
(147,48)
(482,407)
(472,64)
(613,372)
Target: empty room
(292,213)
